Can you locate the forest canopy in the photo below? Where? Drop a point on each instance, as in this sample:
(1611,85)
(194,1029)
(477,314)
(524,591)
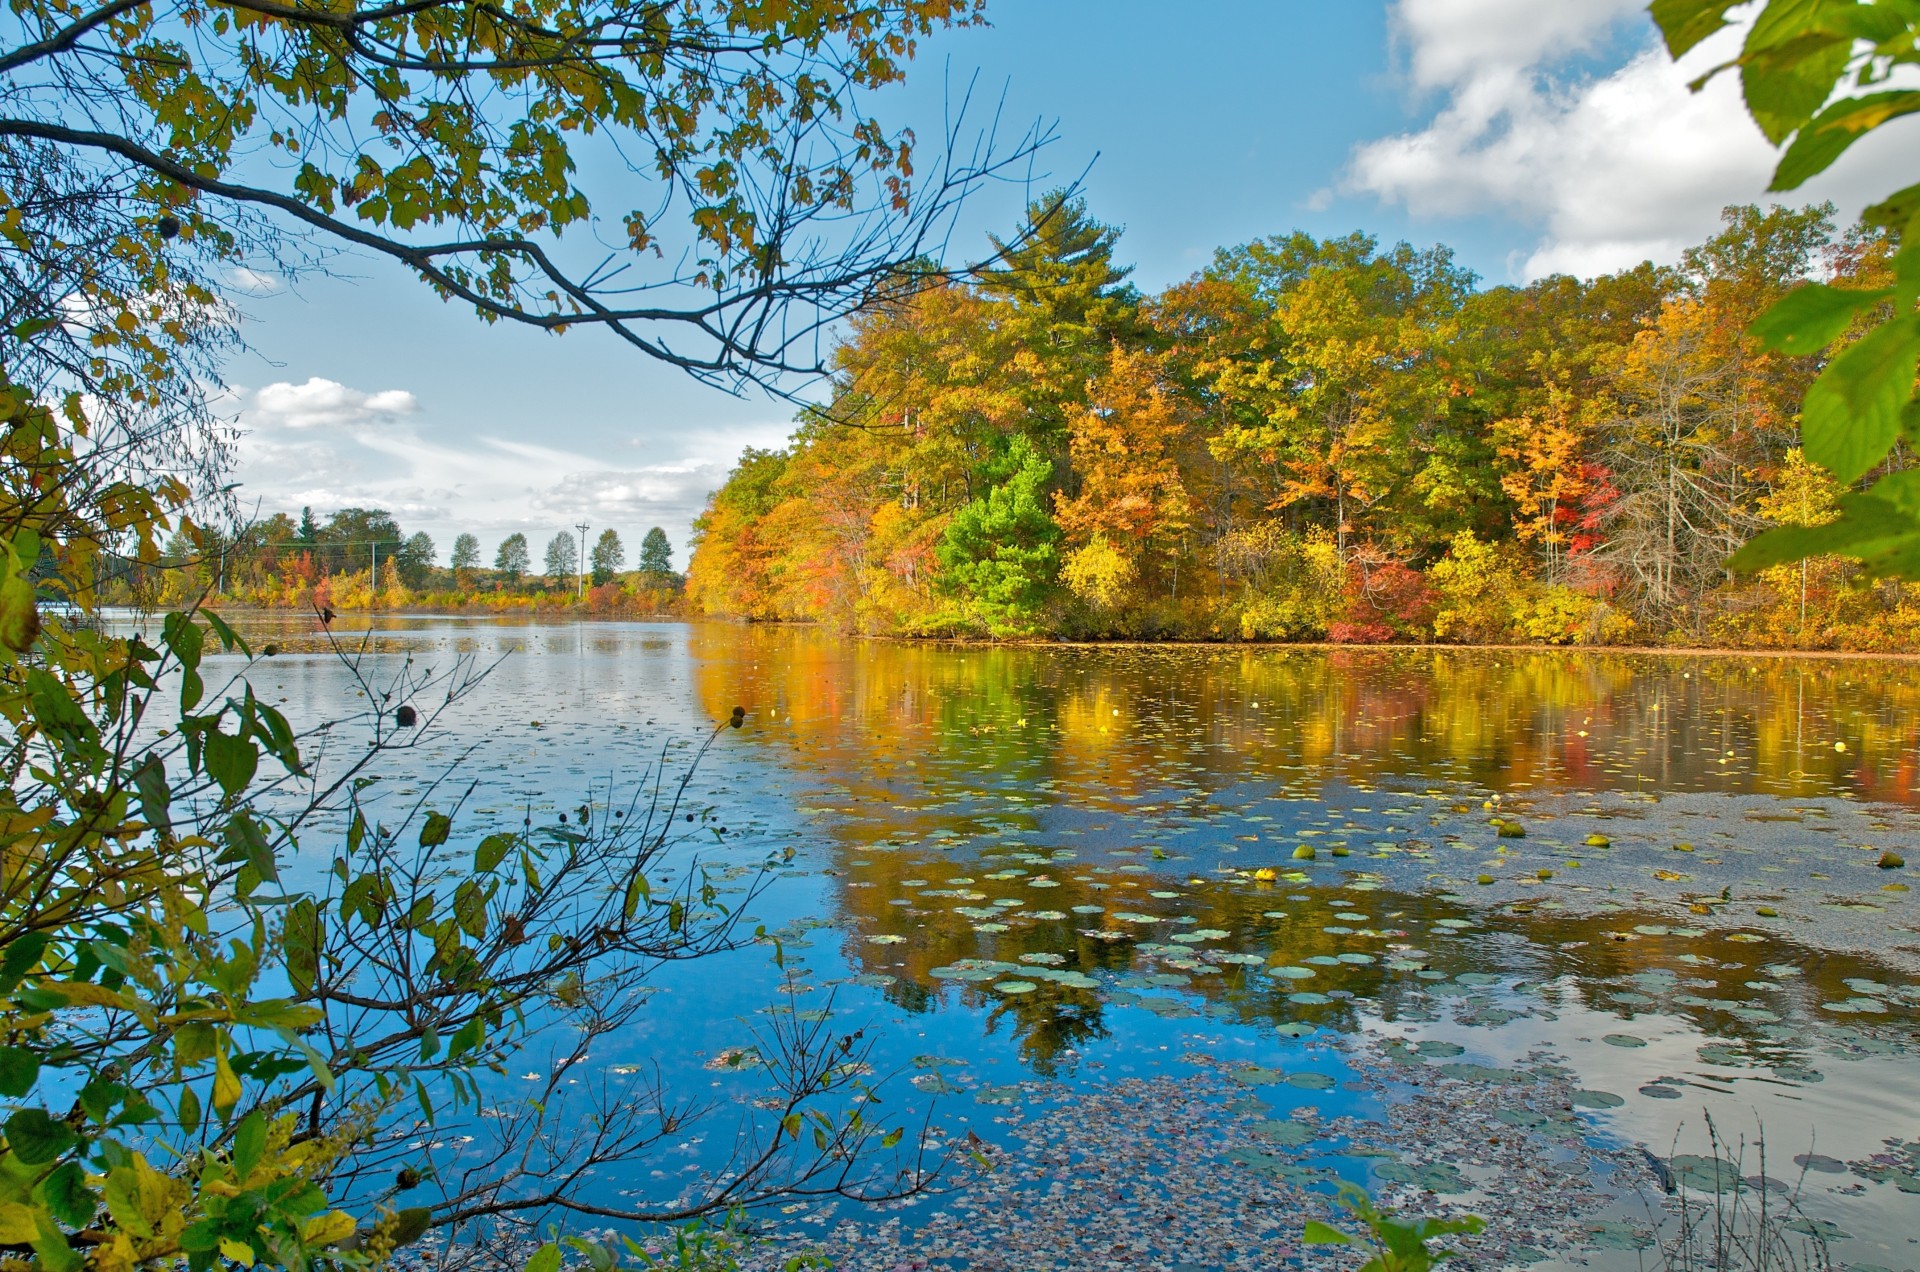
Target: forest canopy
(1313,439)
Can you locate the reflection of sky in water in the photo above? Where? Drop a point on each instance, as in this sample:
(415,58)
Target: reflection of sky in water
(953,810)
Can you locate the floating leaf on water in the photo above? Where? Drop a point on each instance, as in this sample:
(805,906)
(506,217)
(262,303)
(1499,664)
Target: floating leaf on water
(1624,1040)
(1256,1075)
(1443,1177)
(1706,1174)
(1597,1100)
(1322,960)
(1660,1091)
(1311,1081)
(1439,1050)
(1356,959)
(998,1095)
(885,938)
(1613,1235)
(1307,998)
(1477,978)
(1015,987)
(1820,1162)
(1289,1134)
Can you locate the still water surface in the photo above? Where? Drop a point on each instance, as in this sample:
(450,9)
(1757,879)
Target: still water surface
(1082,864)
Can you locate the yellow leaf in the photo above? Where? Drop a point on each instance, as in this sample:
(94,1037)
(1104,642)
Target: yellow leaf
(226,1086)
(16,1224)
(335,1225)
(239,1251)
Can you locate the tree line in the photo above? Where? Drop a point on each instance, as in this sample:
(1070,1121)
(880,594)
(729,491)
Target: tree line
(1311,439)
(361,558)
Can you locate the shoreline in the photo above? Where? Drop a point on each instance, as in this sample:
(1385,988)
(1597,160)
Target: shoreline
(1057,642)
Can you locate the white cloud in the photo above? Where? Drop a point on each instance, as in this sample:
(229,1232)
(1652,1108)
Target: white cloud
(667,492)
(1449,41)
(323,403)
(1613,167)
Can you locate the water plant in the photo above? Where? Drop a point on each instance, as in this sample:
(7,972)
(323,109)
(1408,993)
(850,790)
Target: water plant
(1397,1245)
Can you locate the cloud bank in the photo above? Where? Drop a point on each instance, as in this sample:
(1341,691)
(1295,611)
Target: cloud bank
(1611,166)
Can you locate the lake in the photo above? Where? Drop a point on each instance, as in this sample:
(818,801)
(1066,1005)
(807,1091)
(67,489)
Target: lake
(1184,934)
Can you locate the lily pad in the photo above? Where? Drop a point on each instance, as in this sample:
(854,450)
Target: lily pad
(1706,1174)
(1597,1100)
(1442,1177)
(1288,1134)
(1624,1040)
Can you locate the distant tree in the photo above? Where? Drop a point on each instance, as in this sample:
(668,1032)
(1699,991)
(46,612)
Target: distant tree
(513,559)
(309,533)
(466,553)
(563,558)
(656,554)
(415,559)
(609,557)
(352,537)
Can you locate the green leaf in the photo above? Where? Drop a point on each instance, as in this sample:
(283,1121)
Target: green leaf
(1896,211)
(302,937)
(66,1194)
(1811,317)
(22,956)
(1317,1233)
(1829,134)
(245,837)
(19,1070)
(1791,64)
(230,640)
(491,852)
(36,1138)
(156,800)
(1852,414)
(249,1143)
(187,1108)
(434,833)
(470,908)
(545,1259)
(1684,23)
(230,761)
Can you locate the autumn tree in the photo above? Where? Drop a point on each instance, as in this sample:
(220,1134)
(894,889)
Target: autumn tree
(1131,513)
(768,202)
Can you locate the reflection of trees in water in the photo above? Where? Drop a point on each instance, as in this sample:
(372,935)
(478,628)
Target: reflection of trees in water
(949,722)
(1050,1024)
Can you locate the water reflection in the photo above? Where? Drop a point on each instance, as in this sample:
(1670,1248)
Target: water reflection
(1077,860)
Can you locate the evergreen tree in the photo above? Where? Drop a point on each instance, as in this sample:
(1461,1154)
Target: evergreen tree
(309,532)
(609,557)
(513,559)
(466,553)
(563,558)
(656,554)
(1002,552)
(1070,303)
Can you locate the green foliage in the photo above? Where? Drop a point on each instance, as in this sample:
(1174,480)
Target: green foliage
(1395,1245)
(513,559)
(1002,551)
(1803,70)
(656,554)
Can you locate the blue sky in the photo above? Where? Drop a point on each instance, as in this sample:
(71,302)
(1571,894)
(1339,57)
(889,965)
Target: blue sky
(1532,136)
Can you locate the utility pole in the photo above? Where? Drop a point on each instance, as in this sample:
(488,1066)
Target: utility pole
(582,528)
